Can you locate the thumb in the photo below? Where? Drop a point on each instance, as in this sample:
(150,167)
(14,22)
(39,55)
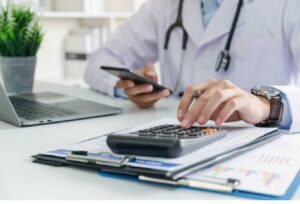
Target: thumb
(150,72)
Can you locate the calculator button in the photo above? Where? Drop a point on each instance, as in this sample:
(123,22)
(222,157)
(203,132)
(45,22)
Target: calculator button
(143,134)
(175,131)
(164,126)
(193,134)
(210,130)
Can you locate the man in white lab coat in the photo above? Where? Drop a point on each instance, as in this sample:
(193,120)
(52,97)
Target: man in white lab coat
(265,50)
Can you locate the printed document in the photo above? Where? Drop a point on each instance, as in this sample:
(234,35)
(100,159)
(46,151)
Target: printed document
(236,137)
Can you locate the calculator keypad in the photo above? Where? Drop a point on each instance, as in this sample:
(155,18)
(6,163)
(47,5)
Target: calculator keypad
(176,131)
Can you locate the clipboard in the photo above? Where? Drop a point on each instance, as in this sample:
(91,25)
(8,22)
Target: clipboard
(113,167)
(133,175)
(118,163)
(117,166)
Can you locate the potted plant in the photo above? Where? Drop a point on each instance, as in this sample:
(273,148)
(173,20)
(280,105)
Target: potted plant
(20,40)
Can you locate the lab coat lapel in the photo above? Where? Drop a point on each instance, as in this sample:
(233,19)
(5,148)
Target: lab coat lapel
(221,23)
(193,20)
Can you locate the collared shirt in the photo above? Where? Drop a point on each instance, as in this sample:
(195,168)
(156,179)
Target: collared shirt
(209,8)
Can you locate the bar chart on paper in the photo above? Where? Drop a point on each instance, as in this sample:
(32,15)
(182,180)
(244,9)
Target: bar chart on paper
(273,160)
(267,170)
(265,178)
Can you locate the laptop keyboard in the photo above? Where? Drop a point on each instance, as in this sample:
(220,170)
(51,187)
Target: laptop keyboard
(32,110)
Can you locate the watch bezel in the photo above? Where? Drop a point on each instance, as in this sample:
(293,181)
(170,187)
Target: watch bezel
(266,91)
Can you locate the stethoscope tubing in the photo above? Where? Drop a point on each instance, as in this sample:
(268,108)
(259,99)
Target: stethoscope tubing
(178,24)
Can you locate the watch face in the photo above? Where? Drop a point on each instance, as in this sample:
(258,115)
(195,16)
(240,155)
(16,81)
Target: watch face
(266,91)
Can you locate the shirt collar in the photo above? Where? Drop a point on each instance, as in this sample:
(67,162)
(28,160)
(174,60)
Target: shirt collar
(220,1)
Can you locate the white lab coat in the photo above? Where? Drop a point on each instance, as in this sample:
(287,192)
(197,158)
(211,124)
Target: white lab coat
(265,49)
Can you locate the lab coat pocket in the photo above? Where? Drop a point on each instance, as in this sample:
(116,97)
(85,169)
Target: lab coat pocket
(255,58)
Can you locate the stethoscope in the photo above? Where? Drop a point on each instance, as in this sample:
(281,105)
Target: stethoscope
(224,57)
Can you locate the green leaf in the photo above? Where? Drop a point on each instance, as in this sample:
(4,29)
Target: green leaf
(20,34)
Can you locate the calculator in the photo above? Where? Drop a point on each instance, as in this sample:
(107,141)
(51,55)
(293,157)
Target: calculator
(168,141)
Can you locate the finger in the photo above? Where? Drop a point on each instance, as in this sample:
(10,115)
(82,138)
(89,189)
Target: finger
(150,72)
(149,67)
(139,89)
(152,97)
(145,69)
(194,113)
(214,102)
(124,84)
(195,109)
(188,98)
(231,106)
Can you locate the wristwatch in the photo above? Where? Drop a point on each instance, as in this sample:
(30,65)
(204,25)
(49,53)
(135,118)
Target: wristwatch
(276,106)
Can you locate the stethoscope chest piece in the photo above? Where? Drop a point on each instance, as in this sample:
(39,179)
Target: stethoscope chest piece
(223,61)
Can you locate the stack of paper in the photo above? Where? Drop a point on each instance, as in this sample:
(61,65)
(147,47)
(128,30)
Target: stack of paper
(236,137)
(268,170)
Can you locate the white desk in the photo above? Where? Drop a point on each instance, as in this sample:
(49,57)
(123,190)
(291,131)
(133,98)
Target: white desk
(22,179)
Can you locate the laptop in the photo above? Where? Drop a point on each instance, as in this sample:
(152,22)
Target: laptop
(47,107)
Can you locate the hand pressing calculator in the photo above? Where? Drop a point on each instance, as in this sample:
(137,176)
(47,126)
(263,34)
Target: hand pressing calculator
(169,141)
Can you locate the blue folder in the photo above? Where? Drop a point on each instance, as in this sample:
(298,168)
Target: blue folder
(289,194)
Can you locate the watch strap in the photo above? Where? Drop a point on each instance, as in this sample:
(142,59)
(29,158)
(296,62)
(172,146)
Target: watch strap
(276,109)
(276,112)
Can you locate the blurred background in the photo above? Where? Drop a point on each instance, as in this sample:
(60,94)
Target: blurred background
(73,29)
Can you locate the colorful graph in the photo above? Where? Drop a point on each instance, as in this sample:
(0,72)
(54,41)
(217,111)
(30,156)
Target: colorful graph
(269,178)
(266,178)
(218,170)
(247,172)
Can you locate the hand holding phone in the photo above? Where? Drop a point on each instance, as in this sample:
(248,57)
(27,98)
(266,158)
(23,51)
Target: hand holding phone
(142,87)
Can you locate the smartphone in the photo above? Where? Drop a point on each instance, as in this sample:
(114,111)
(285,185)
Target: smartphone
(126,74)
